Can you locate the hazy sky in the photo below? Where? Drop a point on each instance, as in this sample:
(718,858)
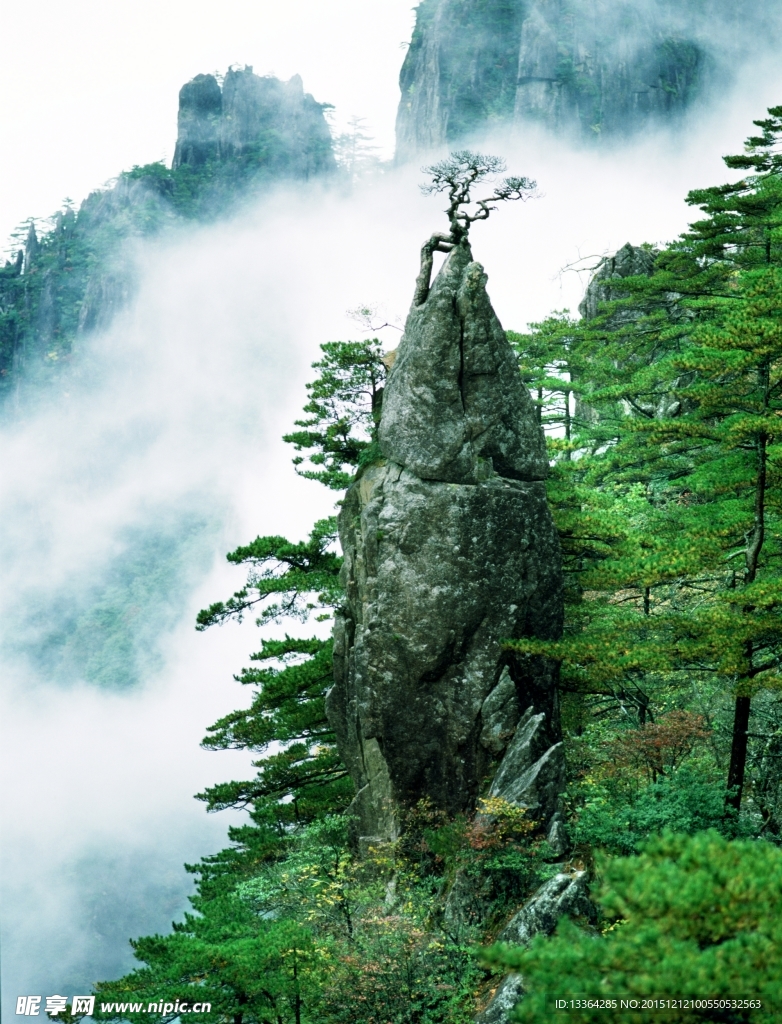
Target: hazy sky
(90,88)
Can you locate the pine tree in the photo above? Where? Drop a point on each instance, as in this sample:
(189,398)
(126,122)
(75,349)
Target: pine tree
(686,385)
(693,918)
(255,968)
(343,412)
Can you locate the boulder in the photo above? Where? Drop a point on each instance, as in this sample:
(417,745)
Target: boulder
(565,893)
(198,122)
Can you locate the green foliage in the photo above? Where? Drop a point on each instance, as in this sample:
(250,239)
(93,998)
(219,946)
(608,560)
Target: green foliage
(661,414)
(40,307)
(634,783)
(497,849)
(212,189)
(310,936)
(399,972)
(245,967)
(669,504)
(12,318)
(189,190)
(300,775)
(382,961)
(249,968)
(301,577)
(549,366)
(620,820)
(691,917)
(343,412)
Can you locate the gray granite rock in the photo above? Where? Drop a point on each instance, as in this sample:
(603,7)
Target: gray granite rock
(509,992)
(531,773)
(529,743)
(449,549)
(500,714)
(564,894)
(455,408)
(606,283)
(594,71)
(558,837)
(272,124)
(436,576)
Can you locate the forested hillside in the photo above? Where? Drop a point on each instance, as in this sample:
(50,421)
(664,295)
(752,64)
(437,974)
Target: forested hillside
(655,834)
(73,273)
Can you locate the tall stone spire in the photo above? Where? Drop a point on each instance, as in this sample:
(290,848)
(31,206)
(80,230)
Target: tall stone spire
(455,408)
(449,549)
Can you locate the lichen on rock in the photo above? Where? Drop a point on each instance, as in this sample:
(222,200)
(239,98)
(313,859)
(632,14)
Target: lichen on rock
(455,408)
(449,549)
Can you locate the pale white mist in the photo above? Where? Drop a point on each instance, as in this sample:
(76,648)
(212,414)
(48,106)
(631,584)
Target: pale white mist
(175,417)
(91,87)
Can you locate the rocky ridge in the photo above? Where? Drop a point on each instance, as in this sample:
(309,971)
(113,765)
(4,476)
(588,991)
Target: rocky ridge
(275,125)
(233,141)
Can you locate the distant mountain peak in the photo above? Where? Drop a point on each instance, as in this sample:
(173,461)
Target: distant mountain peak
(252,117)
(580,69)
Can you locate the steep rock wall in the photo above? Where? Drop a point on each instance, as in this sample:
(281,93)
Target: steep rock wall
(261,120)
(449,549)
(578,67)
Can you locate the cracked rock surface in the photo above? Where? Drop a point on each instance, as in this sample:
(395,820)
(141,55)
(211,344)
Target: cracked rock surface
(449,549)
(455,408)
(564,894)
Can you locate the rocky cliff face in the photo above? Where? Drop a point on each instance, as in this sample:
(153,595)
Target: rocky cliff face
(232,142)
(272,124)
(575,66)
(449,549)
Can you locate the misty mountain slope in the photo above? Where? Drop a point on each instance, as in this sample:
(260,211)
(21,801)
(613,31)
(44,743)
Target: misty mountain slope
(580,68)
(234,140)
(107,631)
(251,123)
